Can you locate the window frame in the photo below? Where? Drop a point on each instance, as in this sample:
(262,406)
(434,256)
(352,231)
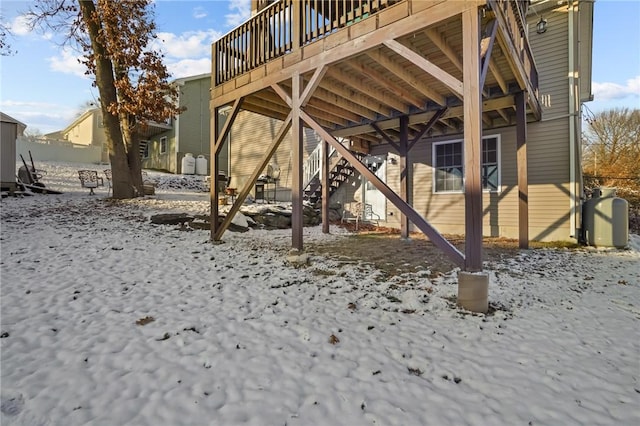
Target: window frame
(498,163)
(163,145)
(145,152)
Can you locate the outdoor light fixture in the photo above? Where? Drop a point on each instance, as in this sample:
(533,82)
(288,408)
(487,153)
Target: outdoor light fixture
(541,26)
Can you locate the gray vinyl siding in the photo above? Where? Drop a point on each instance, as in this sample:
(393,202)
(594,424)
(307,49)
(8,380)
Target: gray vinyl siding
(194,128)
(548,140)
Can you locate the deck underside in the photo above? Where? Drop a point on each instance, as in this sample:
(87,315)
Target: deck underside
(414,68)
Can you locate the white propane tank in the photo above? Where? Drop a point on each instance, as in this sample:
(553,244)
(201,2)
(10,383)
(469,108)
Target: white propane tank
(606,219)
(201,165)
(188,164)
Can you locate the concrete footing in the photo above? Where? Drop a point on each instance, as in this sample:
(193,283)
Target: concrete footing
(297,258)
(473,291)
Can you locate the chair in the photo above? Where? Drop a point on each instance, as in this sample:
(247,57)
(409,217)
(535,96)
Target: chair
(370,215)
(90,179)
(354,214)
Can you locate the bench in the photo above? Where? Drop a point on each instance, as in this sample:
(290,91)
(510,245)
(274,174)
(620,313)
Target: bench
(90,179)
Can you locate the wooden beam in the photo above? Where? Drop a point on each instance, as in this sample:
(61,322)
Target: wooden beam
(438,40)
(487,50)
(405,75)
(355,83)
(333,98)
(396,89)
(297,163)
(312,85)
(513,57)
(426,65)
(452,112)
(386,137)
(422,19)
(449,249)
(364,101)
(218,136)
(432,121)
(472,140)
(405,174)
(237,105)
(248,186)
(324,178)
(521,162)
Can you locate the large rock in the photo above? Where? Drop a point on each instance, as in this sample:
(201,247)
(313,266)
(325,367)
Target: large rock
(171,219)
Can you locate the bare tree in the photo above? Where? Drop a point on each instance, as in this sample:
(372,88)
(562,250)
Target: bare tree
(5,32)
(611,154)
(132,81)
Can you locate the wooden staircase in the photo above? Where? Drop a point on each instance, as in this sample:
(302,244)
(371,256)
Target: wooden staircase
(340,172)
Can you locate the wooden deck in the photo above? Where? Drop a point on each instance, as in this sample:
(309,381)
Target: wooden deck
(381,72)
(384,59)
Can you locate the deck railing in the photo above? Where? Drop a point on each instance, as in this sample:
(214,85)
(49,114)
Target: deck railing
(283,26)
(286,25)
(514,14)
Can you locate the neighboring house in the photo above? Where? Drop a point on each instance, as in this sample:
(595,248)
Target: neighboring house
(87,130)
(392,84)
(189,133)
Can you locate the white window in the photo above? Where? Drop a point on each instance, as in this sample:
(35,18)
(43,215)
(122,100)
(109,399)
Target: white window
(448,165)
(163,145)
(144,148)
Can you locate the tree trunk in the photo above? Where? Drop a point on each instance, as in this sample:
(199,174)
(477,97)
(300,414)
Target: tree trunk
(132,146)
(123,186)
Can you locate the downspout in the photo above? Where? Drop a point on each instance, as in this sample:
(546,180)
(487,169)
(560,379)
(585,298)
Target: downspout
(573,116)
(176,130)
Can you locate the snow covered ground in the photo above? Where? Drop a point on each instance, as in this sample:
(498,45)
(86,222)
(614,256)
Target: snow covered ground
(109,320)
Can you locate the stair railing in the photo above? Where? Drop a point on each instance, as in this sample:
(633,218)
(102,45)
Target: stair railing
(312,167)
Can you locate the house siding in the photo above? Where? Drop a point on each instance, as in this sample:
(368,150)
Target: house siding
(548,139)
(548,162)
(190,131)
(250,136)
(194,132)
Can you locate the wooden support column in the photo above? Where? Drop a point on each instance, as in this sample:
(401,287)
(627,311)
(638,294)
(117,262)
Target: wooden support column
(218,136)
(214,185)
(324,176)
(521,161)
(449,249)
(296,172)
(248,185)
(405,174)
(472,139)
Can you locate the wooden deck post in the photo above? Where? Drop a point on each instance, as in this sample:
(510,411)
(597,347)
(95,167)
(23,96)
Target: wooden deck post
(324,170)
(405,174)
(214,187)
(521,162)
(218,136)
(296,172)
(472,139)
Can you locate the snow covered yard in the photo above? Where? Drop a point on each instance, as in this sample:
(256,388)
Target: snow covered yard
(109,320)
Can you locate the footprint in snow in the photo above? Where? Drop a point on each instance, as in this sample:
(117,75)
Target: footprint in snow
(11,403)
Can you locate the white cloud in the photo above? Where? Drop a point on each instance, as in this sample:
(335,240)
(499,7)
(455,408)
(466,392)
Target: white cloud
(199,12)
(67,63)
(609,91)
(187,45)
(19,26)
(190,67)
(241,11)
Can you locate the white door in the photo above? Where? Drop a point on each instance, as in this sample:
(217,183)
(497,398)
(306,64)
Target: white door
(371,194)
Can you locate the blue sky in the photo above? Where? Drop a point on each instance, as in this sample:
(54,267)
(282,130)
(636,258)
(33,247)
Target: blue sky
(43,85)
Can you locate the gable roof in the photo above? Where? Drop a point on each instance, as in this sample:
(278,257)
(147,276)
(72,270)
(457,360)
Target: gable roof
(8,119)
